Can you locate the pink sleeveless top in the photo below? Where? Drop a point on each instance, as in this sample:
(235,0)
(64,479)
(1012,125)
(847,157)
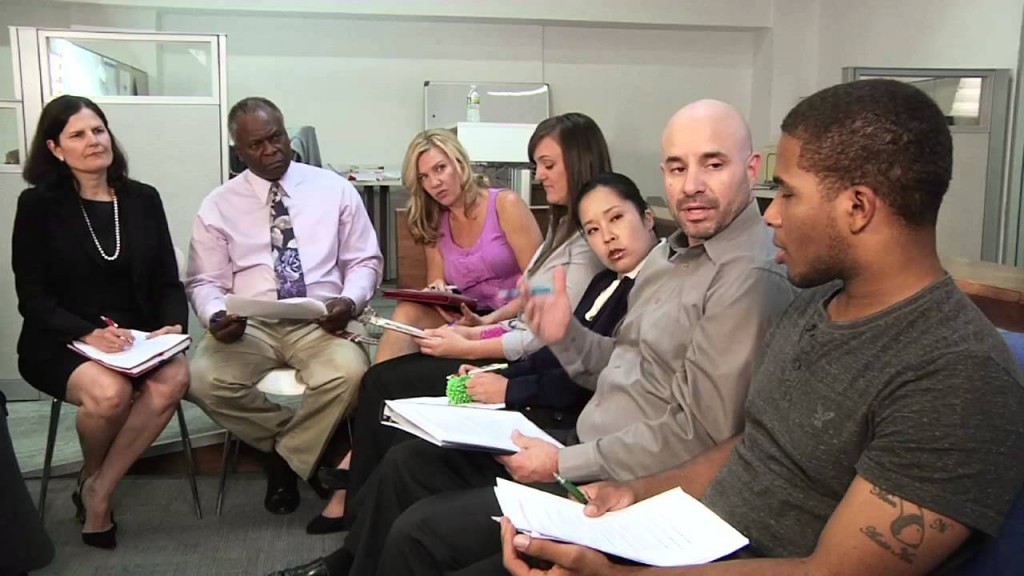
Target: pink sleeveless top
(485,268)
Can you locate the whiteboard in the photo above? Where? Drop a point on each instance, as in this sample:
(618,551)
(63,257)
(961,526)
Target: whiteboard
(444,103)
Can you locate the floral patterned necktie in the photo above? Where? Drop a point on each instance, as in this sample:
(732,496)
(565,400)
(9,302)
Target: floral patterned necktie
(285,248)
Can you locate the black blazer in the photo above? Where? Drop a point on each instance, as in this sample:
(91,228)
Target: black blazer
(57,267)
(539,386)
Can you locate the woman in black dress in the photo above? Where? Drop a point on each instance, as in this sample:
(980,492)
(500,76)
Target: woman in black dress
(92,259)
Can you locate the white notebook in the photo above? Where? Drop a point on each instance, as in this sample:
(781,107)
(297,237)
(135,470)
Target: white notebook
(670,529)
(461,427)
(443,401)
(142,356)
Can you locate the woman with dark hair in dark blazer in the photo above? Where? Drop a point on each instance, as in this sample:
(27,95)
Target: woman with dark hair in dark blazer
(89,246)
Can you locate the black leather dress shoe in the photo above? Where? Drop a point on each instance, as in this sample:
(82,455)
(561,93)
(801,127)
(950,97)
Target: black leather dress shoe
(281,500)
(315,568)
(282,487)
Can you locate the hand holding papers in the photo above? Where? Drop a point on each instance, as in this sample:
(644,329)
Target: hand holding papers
(460,427)
(143,355)
(670,529)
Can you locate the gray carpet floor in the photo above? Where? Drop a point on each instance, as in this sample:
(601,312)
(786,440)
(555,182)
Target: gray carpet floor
(159,534)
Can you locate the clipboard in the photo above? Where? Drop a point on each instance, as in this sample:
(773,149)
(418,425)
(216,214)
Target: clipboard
(431,297)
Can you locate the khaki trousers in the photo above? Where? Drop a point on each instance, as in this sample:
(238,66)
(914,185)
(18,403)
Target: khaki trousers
(224,378)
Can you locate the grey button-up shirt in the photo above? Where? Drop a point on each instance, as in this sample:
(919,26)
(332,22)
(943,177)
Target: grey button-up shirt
(673,381)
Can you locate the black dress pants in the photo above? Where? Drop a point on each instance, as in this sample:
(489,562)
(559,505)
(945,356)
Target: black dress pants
(447,534)
(396,501)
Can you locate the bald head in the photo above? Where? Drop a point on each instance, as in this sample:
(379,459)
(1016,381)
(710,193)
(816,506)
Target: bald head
(710,167)
(712,115)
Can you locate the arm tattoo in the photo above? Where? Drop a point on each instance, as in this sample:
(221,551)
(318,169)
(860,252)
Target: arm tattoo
(883,496)
(906,530)
(940,525)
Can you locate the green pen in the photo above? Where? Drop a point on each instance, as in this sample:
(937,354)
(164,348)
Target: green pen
(572,489)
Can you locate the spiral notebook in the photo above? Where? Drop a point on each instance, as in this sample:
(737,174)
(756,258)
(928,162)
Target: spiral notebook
(141,357)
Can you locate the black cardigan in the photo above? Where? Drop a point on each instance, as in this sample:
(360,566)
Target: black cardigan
(539,386)
(56,264)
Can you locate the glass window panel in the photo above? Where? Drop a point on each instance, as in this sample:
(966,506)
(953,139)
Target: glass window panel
(10,141)
(959,97)
(90,67)
(6,69)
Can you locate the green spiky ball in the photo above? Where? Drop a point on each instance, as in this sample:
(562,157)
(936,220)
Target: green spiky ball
(456,390)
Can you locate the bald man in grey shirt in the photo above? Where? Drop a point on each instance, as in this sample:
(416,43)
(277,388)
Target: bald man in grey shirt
(673,381)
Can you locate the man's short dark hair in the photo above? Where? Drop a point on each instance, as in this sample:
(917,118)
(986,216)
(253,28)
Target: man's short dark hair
(250,105)
(883,134)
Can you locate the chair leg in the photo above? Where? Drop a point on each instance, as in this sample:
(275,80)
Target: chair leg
(51,439)
(228,441)
(186,444)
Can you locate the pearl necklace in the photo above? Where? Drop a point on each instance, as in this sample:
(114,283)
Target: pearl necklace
(117,231)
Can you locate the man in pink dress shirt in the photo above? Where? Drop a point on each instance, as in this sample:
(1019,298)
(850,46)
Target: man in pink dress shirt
(279,230)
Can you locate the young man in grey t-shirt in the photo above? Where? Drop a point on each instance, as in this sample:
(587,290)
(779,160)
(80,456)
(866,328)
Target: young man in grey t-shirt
(883,426)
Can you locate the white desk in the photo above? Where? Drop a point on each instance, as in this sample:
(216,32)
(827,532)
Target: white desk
(377,194)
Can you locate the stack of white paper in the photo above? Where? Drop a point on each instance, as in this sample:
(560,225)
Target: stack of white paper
(287,309)
(141,357)
(670,529)
(459,427)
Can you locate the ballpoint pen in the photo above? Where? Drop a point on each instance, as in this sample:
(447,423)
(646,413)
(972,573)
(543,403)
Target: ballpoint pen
(509,293)
(111,324)
(572,489)
(488,368)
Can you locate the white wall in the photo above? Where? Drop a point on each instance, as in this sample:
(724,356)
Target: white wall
(785,66)
(917,33)
(631,81)
(360,81)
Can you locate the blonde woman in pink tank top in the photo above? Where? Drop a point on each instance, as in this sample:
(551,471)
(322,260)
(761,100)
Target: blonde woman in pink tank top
(476,239)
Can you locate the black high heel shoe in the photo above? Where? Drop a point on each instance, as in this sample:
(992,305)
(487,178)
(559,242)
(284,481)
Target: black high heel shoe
(333,478)
(326,525)
(106,539)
